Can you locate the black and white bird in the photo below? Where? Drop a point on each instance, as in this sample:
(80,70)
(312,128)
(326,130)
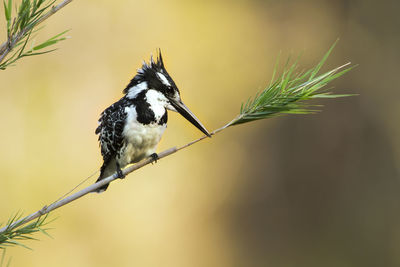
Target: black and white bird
(130,129)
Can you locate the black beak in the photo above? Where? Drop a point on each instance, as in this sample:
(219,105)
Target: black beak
(185,112)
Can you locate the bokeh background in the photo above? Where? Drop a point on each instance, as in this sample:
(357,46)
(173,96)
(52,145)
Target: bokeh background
(314,190)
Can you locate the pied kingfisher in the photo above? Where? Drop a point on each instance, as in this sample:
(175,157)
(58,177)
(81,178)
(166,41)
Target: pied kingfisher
(130,129)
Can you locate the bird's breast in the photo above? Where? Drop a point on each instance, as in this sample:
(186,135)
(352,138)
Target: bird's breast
(140,140)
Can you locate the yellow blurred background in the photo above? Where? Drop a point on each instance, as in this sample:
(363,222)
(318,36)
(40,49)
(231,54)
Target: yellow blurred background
(315,190)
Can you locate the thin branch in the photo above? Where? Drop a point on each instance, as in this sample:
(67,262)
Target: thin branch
(93,187)
(53,10)
(285,95)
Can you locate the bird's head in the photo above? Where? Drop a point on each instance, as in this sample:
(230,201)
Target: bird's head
(153,76)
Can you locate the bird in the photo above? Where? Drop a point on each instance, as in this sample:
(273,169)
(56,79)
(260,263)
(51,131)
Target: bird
(130,129)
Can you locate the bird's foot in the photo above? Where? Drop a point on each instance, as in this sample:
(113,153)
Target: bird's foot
(120,174)
(154,157)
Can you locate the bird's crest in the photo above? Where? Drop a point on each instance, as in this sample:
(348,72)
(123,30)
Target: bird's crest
(148,70)
(155,65)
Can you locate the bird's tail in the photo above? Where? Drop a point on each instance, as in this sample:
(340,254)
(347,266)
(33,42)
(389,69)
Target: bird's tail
(106,170)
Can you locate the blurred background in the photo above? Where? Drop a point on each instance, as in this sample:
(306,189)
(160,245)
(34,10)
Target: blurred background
(305,190)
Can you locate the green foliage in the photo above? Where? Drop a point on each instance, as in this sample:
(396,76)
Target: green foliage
(20,29)
(15,231)
(286,94)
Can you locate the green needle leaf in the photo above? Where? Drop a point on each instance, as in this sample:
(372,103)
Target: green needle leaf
(7,13)
(322,62)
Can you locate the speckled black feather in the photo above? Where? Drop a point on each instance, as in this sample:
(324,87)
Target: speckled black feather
(111,126)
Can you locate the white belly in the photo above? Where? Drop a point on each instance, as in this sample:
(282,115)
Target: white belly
(140,141)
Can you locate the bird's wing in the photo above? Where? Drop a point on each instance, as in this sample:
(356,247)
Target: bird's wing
(111,126)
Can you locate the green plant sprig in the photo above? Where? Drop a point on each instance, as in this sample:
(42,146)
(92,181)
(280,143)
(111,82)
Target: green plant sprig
(16,231)
(20,28)
(286,94)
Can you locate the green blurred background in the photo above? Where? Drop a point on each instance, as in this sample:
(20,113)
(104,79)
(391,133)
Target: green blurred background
(314,190)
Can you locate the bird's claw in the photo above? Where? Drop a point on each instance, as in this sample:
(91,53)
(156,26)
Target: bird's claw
(120,174)
(154,157)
